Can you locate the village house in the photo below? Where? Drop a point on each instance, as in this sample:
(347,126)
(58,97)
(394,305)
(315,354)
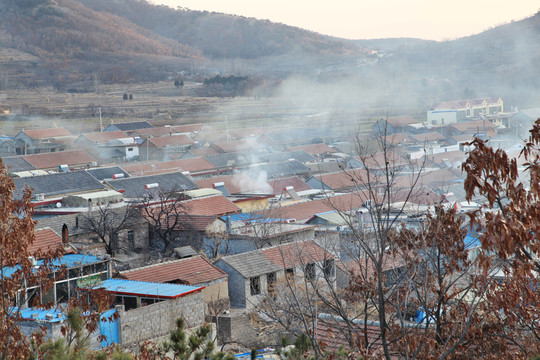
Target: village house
(148,310)
(451,112)
(41,141)
(255,275)
(193,271)
(128,126)
(165,147)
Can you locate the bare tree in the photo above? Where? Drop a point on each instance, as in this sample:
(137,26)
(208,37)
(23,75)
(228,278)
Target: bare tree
(167,213)
(107,222)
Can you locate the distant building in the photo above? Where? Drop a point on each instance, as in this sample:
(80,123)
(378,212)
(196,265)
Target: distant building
(451,112)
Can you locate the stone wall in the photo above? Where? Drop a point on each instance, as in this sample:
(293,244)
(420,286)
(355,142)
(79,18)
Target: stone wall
(159,319)
(237,328)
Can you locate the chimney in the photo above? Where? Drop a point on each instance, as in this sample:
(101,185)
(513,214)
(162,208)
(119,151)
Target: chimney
(65,235)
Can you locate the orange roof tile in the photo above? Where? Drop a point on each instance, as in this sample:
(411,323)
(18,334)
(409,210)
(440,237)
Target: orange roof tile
(207,206)
(46,133)
(52,160)
(294,181)
(204,152)
(305,210)
(344,179)
(190,271)
(296,254)
(313,149)
(45,240)
(239,145)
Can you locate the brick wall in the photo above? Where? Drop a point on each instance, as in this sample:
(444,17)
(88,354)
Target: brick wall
(159,319)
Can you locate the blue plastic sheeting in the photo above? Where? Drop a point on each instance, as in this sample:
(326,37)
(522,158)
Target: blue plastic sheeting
(471,241)
(69,261)
(55,315)
(253,218)
(148,289)
(108,328)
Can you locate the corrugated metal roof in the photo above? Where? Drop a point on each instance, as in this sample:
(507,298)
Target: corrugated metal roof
(54,315)
(68,261)
(150,289)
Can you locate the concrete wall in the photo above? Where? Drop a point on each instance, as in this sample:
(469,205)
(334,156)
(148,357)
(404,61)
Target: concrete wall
(236,284)
(159,319)
(435,117)
(216,290)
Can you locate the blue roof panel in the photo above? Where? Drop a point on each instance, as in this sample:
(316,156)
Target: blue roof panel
(150,289)
(55,315)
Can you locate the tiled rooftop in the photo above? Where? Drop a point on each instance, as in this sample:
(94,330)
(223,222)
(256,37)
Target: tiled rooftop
(191,271)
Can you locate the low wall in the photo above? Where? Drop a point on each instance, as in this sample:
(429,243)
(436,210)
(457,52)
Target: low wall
(157,320)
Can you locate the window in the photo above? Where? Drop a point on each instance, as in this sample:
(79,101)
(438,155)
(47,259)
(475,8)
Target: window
(289,274)
(130,149)
(131,236)
(271,284)
(255,285)
(309,272)
(329,269)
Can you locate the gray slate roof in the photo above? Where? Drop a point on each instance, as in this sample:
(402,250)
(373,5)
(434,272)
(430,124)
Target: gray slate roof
(58,184)
(129,126)
(250,264)
(17,163)
(106,172)
(134,186)
(226,160)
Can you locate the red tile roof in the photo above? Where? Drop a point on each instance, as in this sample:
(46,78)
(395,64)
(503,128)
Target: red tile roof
(294,181)
(473,127)
(45,240)
(296,254)
(313,149)
(204,152)
(344,179)
(104,137)
(191,165)
(305,210)
(52,160)
(174,140)
(331,338)
(46,133)
(429,137)
(401,120)
(190,271)
(190,222)
(451,156)
(235,184)
(207,206)
(212,205)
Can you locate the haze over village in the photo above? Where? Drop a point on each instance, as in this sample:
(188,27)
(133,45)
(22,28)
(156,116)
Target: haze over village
(188,184)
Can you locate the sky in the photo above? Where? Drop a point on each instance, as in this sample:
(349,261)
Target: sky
(372,19)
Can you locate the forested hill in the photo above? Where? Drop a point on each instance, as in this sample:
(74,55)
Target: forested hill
(219,35)
(66,29)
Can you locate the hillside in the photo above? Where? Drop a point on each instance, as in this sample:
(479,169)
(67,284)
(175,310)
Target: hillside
(219,35)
